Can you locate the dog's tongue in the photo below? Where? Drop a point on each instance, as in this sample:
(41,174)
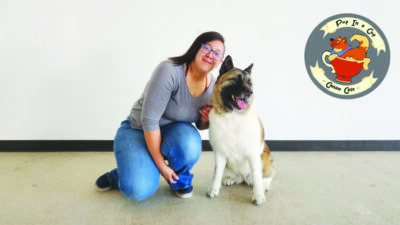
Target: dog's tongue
(240,103)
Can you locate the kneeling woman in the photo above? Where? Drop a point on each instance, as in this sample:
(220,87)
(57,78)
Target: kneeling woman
(159,126)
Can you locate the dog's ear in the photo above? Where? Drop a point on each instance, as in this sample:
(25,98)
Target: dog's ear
(248,69)
(227,65)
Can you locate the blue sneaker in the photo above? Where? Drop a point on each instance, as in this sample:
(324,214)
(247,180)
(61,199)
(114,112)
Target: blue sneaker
(185,193)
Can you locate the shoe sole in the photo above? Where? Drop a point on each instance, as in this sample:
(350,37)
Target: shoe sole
(187,195)
(101,189)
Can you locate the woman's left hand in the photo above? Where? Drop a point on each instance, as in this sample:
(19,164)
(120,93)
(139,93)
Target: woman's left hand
(204,112)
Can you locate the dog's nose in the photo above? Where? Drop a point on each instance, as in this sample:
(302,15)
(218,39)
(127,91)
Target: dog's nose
(248,92)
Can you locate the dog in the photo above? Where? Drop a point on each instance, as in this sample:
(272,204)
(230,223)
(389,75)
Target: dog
(342,49)
(237,135)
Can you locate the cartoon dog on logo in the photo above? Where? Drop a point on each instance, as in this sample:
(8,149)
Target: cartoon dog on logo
(345,60)
(342,49)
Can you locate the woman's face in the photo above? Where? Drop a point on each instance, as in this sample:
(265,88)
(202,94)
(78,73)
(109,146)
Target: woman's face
(209,56)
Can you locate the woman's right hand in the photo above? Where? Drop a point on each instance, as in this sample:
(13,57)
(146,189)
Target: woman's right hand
(169,174)
(153,140)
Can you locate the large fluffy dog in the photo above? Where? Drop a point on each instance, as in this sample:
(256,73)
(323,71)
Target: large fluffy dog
(237,135)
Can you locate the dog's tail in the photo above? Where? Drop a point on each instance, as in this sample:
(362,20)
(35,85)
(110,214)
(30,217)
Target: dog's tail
(364,42)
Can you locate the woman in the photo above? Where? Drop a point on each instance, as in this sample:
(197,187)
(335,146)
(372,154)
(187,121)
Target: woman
(159,126)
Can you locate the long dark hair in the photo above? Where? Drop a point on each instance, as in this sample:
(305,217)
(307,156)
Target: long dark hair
(190,54)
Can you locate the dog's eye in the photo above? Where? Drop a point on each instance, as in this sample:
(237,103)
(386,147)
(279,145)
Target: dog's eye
(249,82)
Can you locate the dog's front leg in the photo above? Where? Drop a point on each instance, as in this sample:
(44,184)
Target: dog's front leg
(220,163)
(258,190)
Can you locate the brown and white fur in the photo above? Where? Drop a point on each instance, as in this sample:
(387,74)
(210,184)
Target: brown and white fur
(237,135)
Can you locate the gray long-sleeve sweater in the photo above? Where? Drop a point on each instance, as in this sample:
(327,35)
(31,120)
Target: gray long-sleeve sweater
(166,99)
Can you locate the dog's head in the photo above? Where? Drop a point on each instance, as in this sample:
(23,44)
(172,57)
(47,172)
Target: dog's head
(339,43)
(233,89)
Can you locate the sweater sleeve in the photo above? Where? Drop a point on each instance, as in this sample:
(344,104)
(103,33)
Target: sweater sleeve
(157,95)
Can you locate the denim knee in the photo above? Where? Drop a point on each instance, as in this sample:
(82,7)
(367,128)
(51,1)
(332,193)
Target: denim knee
(136,191)
(181,144)
(190,147)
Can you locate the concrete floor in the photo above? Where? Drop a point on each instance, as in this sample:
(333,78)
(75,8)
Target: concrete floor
(346,188)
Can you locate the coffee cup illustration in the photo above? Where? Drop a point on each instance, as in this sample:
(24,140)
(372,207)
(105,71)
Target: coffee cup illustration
(345,69)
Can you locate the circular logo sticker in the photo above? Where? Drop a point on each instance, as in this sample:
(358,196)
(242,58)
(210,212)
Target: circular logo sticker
(347,56)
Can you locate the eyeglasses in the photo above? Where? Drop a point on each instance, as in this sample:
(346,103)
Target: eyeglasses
(206,49)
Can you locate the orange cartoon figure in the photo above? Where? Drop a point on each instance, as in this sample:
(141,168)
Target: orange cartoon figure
(345,60)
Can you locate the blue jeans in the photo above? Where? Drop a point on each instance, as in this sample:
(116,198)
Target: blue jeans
(137,176)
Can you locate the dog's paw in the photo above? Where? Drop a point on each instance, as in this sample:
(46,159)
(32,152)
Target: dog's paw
(213,193)
(228,181)
(258,199)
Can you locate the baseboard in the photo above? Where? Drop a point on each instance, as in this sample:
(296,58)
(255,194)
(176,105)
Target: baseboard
(56,145)
(275,145)
(335,145)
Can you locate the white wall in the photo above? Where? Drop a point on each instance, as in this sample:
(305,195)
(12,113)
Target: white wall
(72,69)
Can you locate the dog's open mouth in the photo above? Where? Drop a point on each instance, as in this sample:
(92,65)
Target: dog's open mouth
(240,102)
